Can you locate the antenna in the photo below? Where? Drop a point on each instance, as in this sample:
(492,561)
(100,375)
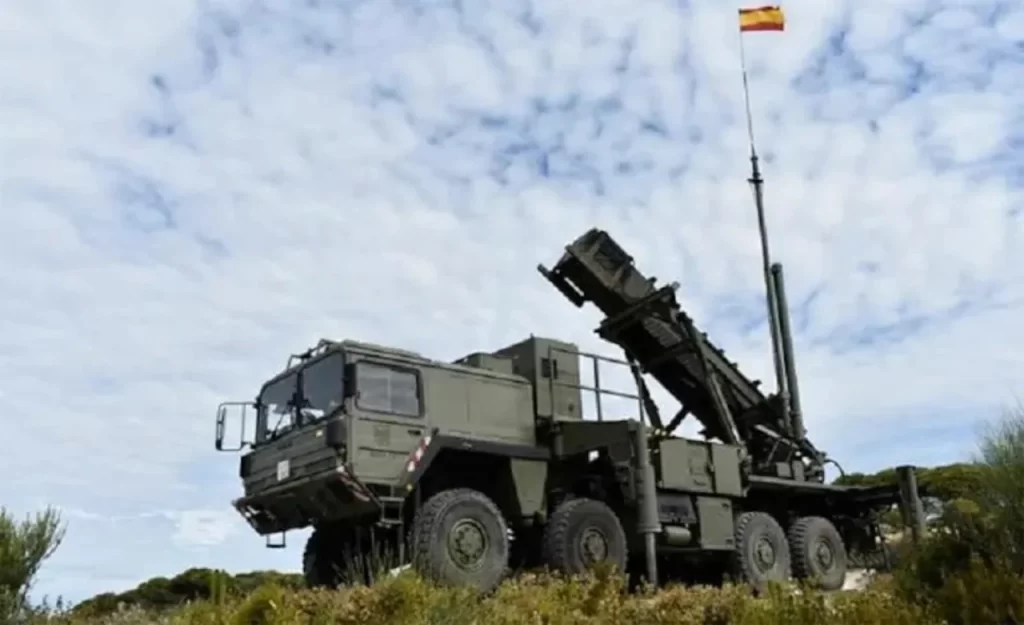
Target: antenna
(761,19)
(757,186)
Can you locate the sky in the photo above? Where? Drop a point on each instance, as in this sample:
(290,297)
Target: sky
(190,191)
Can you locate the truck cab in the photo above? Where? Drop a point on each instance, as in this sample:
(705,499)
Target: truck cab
(335,435)
(297,454)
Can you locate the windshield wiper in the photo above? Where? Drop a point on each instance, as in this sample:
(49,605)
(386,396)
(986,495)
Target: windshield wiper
(295,406)
(273,432)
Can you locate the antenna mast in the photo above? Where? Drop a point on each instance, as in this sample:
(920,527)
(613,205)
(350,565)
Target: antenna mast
(751,20)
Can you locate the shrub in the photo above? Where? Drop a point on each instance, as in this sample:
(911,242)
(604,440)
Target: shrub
(24,547)
(598,599)
(970,570)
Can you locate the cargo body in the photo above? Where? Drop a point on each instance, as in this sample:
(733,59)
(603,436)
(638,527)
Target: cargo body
(471,468)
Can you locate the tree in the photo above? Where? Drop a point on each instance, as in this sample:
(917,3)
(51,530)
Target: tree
(24,546)
(970,569)
(1001,496)
(945,488)
(160,593)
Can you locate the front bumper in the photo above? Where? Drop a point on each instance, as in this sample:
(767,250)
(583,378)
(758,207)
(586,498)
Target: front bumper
(326,496)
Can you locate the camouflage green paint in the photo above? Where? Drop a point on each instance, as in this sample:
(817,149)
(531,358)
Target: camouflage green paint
(700,467)
(911,506)
(530,478)
(715,517)
(552,368)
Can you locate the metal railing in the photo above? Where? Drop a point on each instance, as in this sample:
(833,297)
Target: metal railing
(598,392)
(321,346)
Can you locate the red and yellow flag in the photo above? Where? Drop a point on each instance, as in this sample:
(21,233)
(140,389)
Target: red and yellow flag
(762,18)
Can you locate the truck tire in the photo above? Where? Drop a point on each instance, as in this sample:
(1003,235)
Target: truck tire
(874,560)
(818,552)
(327,558)
(460,538)
(762,550)
(582,532)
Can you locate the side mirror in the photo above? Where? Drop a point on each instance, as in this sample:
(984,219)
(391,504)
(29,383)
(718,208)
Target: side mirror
(233,410)
(222,415)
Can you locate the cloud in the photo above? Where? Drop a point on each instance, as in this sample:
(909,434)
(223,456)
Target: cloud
(204,527)
(193,191)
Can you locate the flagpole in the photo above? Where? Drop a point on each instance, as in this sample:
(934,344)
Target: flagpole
(756,183)
(746,100)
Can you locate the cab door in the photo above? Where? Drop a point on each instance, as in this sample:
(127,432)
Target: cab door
(388,418)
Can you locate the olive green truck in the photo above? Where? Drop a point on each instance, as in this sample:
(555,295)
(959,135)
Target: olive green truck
(471,469)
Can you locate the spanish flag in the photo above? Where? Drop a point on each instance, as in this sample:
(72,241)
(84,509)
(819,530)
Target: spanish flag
(762,18)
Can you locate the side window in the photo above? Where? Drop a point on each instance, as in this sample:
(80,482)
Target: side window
(386,389)
(322,387)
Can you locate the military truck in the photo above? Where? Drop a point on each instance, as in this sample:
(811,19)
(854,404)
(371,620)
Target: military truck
(469,469)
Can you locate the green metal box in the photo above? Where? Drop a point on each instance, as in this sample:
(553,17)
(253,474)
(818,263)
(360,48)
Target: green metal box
(699,467)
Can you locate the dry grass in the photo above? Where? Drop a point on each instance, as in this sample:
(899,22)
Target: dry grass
(599,599)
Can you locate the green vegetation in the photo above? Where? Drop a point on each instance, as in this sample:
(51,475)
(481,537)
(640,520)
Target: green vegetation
(968,571)
(978,598)
(192,585)
(945,483)
(24,546)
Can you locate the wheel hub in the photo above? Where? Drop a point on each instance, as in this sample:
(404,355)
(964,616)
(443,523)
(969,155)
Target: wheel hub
(593,545)
(765,553)
(467,543)
(824,555)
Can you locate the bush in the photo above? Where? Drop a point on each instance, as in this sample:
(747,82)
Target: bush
(599,599)
(1002,493)
(194,584)
(970,570)
(24,547)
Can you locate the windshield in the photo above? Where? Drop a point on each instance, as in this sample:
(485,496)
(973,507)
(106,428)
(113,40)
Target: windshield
(317,390)
(276,411)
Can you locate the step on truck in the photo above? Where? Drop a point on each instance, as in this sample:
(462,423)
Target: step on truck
(470,469)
